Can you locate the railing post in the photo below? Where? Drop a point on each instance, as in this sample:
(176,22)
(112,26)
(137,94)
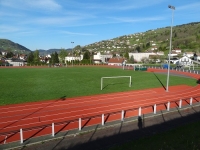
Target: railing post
(21,136)
(122,117)
(5,139)
(53,131)
(79,126)
(191,100)
(180,103)
(154,109)
(168,106)
(102,120)
(140,111)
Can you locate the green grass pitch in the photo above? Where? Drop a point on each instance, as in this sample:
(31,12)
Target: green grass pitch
(19,85)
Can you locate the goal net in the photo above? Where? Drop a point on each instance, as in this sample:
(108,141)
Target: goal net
(102,79)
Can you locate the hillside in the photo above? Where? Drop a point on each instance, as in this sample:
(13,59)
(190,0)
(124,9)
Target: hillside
(185,37)
(50,51)
(7,45)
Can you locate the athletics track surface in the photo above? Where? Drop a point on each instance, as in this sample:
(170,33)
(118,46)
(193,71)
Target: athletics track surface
(36,118)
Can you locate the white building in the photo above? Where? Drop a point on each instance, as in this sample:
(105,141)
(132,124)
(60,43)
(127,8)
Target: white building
(16,62)
(98,58)
(70,58)
(139,56)
(185,61)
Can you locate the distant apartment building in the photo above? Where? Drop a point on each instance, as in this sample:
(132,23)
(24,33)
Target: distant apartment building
(139,56)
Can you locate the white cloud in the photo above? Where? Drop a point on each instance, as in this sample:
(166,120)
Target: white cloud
(31,4)
(116,5)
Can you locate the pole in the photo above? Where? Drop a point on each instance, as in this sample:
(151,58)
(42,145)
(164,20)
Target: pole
(168,71)
(72,53)
(101,83)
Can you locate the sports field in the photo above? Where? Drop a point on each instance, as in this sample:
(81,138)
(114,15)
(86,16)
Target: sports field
(19,85)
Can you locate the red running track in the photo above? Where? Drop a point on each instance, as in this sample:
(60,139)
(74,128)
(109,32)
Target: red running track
(36,118)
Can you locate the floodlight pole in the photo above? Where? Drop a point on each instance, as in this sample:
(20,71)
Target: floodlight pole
(72,53)
(170,47)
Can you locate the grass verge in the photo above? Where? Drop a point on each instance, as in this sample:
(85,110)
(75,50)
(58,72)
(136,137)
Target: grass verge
(185,137)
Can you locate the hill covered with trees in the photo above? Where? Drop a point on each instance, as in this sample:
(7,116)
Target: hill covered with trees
(186,37)
(9,46)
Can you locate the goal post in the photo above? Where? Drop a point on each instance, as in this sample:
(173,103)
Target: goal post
(115,77)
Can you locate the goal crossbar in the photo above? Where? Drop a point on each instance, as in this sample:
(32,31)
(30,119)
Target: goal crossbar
(115,77)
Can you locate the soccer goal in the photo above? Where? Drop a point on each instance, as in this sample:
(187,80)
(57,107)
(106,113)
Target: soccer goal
(115,77)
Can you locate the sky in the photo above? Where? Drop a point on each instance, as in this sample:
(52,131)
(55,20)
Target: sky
(47,24)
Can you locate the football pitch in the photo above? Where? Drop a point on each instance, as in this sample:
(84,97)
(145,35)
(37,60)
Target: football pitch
(20,85)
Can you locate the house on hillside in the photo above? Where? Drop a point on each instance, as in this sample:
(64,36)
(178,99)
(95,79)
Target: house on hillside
(177,50)
(4,53)
(99,58)
(116,61)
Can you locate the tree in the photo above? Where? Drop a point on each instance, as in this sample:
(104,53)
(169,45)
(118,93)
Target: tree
(143,46)
(138,48)
(56,59)
(175,35)
(84,49)
(62,55)
(148,45)
(126,55)
(36,57)
(86,55)
(131,60)
(51,61)
(30,58)
(9,55)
